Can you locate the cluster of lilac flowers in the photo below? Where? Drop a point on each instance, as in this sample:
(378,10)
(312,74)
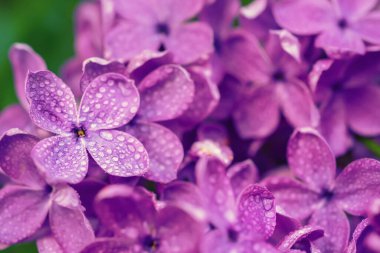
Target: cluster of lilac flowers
(199,126)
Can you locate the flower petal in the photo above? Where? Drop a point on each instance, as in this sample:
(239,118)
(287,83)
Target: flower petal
(61,159)
(71,73)
(124,210)
(190,42)
(15,159)
(258,115)
(307,17)
(366,27)
(358,185)
(356,234)
(310,159)
(298,105)
(307,232)
(206,98)
(108,245)
(140,11)
(165,93)
(127,40)
(216,189)
(362,106)
(355,8)
(178,231)
(95,67)
(48,244)
(164,149)
(68,223)
(24,59)
(257,213)
(14,116)
(110,101)
(333,126)
(22,212)
(335,237)
(118,153)
(292,198)
(181,10)
(242,174)
(52,104)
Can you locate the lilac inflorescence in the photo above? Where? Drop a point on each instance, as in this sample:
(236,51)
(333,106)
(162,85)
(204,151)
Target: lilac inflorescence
(199,126)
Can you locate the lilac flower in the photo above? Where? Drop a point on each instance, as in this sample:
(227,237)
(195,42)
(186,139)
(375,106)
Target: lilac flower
(28,200)
(274,85)
(110,101)
(156,25)
(318,194)
(165,94)
(349,95)
(131,215)
(342,26)
(23,59)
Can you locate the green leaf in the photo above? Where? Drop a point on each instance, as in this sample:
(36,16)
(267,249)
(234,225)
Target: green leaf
(21,248)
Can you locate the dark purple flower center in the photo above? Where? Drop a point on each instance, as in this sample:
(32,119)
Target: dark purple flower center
(163,28)
(233,235)
(150,243)
(342,23)
(48,189)
(278,76)
(162,48)
(327,194)
(80,132)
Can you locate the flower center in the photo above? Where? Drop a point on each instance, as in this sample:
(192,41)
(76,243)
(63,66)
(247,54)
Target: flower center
(327,194)
(278,76)
(80,132)
(233,235)
(150,243)
(342,23)
(163,28)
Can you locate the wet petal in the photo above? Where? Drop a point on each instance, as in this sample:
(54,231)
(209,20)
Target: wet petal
(164,149)
(289,43)
(52,104)
(298,105)
(15,159)
(24,59)
(242,174)
(68,223)
(178,231)
(335,237)
(217,191)
(206,98)
(127,40)
(95,67)
(358,185)
(108,245)
(258,115)
(307,17)
(181,10)
(307,232)
(355,236)
(165,93)
(22,212)
(48,244)
(141,11)
(124,210)
(61,159)
(310,158)
(190,42)
(110,101)
(292,198)
(118,153)
(257,213)
(362,106)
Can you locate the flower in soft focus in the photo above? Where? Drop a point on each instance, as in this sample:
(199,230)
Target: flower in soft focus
(343,26)
(28,199)
(157,26)
(139,224)
(110,101)
(318,194)
(349,95)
